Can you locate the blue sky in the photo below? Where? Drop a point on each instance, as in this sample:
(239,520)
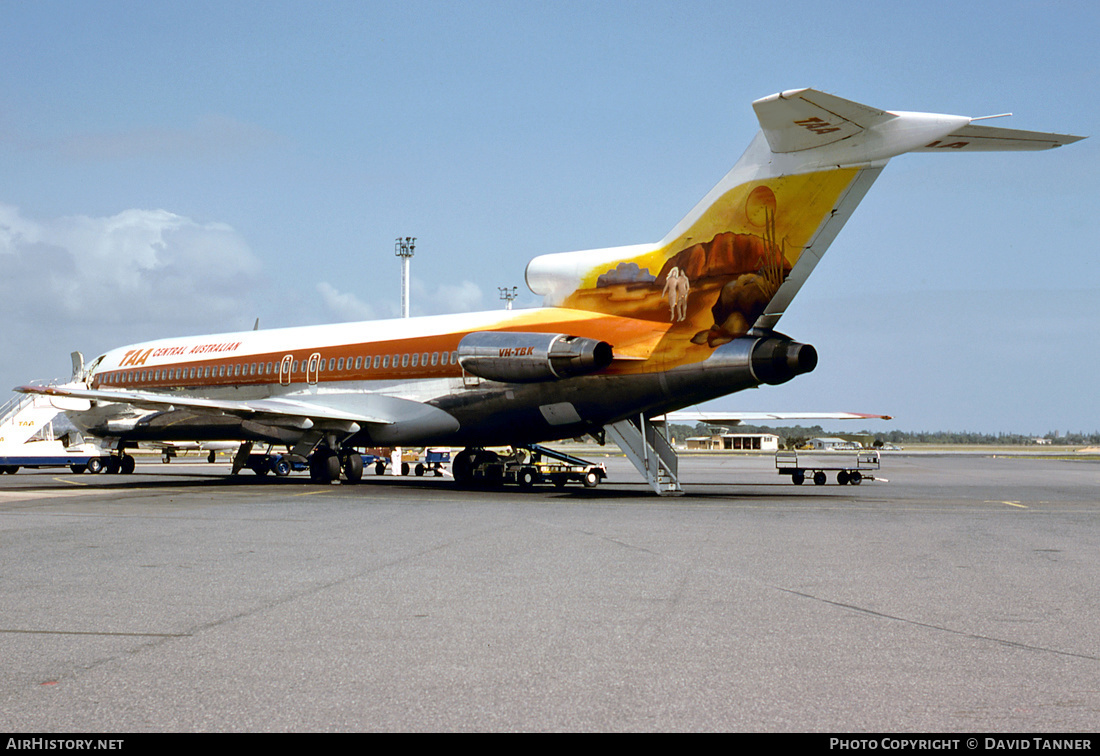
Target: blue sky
(187,167)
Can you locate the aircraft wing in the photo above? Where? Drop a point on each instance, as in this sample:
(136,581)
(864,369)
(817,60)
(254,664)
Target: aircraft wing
(390,418)
(272,409)
(736,418)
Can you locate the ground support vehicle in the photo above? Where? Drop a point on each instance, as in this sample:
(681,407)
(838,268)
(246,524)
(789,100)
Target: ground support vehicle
(434,461)
(850,467)
(78,458)
(27,439)
(279,464)
(525,466)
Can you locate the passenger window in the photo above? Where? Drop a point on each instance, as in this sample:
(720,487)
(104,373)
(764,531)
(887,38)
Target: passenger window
(405,360)
(376,359)
(415,360)
(385,361)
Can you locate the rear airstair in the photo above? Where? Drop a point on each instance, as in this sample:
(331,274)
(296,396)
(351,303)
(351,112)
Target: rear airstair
(650,453)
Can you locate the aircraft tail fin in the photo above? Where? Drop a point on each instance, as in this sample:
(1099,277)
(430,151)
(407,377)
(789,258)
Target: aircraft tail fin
(735,262)
(803,119)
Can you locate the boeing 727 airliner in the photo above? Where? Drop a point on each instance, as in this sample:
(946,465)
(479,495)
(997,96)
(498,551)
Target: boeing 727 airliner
(625,333)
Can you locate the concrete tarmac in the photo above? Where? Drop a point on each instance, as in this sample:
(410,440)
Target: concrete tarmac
(962,595)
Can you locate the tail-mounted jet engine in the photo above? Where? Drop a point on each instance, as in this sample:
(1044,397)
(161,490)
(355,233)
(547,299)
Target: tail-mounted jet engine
(521,357)
(777,360)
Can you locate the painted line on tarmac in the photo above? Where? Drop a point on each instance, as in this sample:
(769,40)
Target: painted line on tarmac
(95,632)
(70,481)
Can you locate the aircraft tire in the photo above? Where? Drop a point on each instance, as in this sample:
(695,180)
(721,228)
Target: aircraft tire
(462,467)
(114,466)
(126,465)
(324,466)
(353,467)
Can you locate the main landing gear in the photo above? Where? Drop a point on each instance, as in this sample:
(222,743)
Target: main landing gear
(325,465)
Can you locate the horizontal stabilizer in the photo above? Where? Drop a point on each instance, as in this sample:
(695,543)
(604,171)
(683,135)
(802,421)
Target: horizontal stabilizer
(806,119)
(974,138)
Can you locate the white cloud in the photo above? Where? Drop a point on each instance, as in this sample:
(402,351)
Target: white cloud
(141,266)
(344,307)
(464,296)
(460,297)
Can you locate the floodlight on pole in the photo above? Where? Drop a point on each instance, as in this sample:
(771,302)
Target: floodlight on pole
(404,248)
(508,295)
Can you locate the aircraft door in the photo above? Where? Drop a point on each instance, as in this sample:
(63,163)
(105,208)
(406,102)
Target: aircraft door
(313,369)
(284,370)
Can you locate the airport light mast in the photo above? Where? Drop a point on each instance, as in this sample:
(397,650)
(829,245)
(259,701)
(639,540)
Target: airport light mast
(508,295)
(404,248)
